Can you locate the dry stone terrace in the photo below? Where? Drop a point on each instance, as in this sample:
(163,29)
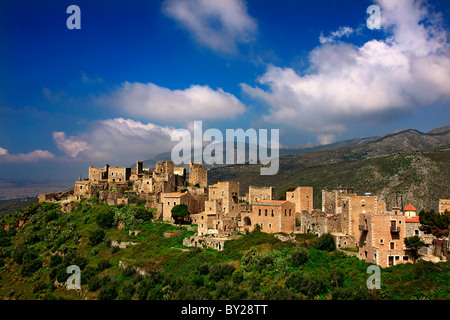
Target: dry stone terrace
(221,212)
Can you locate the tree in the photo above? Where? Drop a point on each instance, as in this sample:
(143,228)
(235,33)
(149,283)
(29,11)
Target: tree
(325,242)
(434,223)
(105,219)
(180,213)
(413,244)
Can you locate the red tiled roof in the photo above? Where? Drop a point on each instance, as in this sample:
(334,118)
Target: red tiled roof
(414,219)
(174,194)
(270,201)
(410,207)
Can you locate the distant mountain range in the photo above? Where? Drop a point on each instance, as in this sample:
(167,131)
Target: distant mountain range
(409,162)
(398,141)
(293,162)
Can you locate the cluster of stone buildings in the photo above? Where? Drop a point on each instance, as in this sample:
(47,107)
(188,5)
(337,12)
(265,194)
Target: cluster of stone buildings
(221,213)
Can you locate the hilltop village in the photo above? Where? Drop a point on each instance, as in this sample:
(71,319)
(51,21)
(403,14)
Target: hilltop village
(221,213)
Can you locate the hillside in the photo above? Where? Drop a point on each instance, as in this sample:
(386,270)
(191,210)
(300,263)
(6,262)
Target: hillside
(402,140)
(41,242)
(420,177)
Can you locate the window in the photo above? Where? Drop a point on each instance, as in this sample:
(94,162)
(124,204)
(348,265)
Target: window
(265,212)
(416,232)
(259,212)
(405,258)
(272,213)
(363,203)
(392,246)
(168,203)
(290,212)
(174,203)
(285,212)
(270,226)
(381,241)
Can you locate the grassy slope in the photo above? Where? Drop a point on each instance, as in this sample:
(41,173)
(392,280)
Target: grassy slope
(180,273)
(421,177)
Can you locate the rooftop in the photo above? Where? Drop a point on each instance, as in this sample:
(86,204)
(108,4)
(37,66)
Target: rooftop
(174,194)
(414,219)
(271,201)
(410,207)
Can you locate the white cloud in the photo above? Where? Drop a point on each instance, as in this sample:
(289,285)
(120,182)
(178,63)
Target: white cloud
(152,102)
(219,25)
(33,156)
(70,146)
(116,141)
(348,84)
(341,32)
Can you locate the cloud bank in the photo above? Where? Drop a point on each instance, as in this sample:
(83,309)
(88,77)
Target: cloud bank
(219,25)
(151,102)
(119,141)
(33,156)
(360,84)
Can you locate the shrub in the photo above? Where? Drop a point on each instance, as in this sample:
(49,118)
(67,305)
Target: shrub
(109,292)
(103,265)
(325,242)
(96,237)
(30,267)
(52,215)
(300,257)
(55,260)
(306,285)
(105,220)
(142,214)
(94,284)
(128,291)
(221,271)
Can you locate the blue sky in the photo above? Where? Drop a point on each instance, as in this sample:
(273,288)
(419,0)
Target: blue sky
(112,91)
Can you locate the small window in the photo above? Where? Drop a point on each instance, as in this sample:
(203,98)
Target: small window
(259,212)
(405,258)
(174,203)
(265,212)
(381,241)
(270,226)
(272,213)
(290,212)
(168,203)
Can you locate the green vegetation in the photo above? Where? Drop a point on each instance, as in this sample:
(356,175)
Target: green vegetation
(180,213)
(34,259)
(420,177)
(434,222)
